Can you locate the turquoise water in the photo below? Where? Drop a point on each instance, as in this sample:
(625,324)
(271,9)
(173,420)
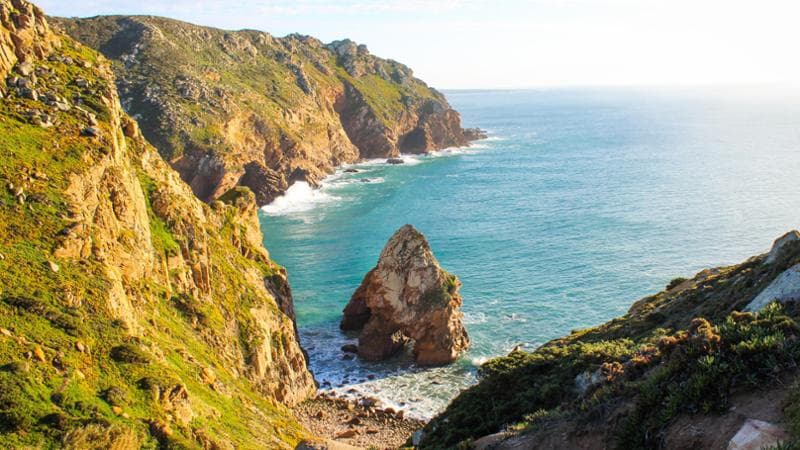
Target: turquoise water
(580,203)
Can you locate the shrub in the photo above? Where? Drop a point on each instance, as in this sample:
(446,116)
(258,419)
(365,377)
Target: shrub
(701,366)
(129,353)
(115,396)
(100,437)
(675,282)
(662,374)
(18,407)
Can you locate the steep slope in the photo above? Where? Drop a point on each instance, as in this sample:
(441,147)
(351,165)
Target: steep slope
(243,107)
(131,313)
(685,368)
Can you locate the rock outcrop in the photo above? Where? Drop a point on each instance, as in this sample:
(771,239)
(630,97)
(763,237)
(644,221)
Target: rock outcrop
(407,296)
(756,435)
(229,108)
(786,286)
(133,314)
(24,36)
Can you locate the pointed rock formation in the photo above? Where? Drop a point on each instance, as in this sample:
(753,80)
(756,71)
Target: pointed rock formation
(408,296)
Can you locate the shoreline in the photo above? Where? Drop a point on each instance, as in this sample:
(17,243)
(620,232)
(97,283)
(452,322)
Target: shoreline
(362,423)
(311,189)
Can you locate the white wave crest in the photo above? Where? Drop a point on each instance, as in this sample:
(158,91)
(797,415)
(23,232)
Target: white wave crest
(298,198)
(478,361)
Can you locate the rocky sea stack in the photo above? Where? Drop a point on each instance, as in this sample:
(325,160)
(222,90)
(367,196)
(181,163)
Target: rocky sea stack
(408,297)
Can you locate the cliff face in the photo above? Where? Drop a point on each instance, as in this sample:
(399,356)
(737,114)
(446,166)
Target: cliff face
(245,108)
(706,363)
(131,313)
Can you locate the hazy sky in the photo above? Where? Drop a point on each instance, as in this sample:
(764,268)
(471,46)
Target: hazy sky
(518,43)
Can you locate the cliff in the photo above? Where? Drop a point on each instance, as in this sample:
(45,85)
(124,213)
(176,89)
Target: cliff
(229,108)
(131,313)
(706,363)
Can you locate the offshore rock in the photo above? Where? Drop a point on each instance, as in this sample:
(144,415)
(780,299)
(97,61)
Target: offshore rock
(408,296)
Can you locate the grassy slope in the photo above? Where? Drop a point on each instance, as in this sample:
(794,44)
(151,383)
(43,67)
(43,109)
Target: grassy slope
(684,350)
(51,393)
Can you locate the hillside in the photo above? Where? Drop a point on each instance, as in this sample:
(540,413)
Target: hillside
(689,367)
(229,108)
(131,313)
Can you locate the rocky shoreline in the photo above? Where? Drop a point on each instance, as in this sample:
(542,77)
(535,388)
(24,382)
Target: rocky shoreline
(361,423)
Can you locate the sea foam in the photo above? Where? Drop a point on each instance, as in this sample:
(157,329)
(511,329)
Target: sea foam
(298,198)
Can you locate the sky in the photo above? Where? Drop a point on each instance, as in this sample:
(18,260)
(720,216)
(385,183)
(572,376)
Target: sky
(454,44)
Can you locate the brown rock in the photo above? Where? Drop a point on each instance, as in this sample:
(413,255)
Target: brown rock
(354,421)
(347,434)
(130,128)
(324,445)
(208,376)
(350,348)
(408,296)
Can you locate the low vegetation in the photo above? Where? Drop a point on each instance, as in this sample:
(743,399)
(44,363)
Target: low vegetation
(681,352)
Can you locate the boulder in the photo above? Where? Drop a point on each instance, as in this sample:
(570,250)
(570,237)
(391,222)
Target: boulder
(785,287)
(408,297)
(779,246)
(757,434)
(324,445)
(350,348)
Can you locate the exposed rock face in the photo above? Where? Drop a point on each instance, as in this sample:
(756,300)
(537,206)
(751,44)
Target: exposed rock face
(779,247)
(757,434)
(122,277)
(264,112)
(24,36)
(786,286)
(408,296)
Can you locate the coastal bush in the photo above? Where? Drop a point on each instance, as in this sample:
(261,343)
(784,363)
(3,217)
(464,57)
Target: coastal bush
(701,366)
(19,408)
(521,383)
(98,436)
(675,282)
(665,374)
(129,353)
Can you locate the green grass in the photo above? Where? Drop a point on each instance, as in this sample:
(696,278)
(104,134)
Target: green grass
(163,239)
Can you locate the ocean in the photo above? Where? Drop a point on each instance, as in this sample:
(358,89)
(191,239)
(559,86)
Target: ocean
(580,202)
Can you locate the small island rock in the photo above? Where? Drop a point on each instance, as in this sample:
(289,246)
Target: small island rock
(408,297)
